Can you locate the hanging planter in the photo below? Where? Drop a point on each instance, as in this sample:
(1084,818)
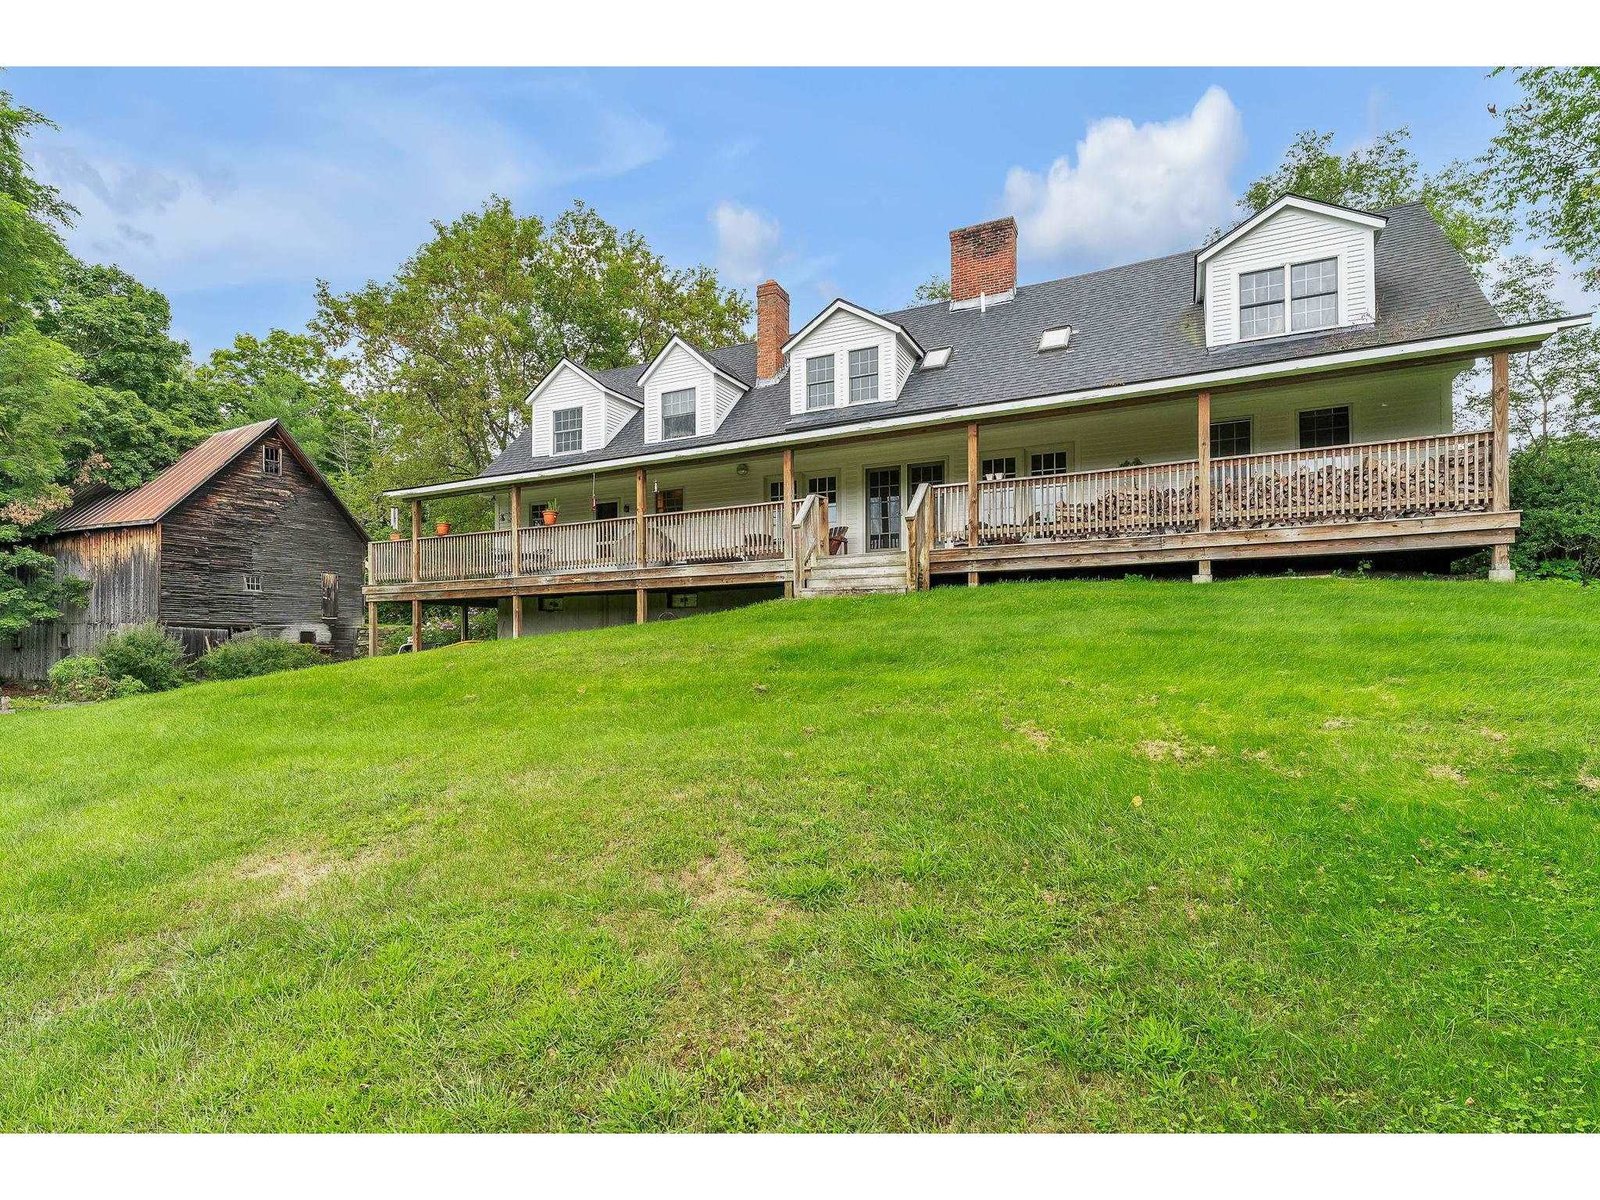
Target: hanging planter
(441,528)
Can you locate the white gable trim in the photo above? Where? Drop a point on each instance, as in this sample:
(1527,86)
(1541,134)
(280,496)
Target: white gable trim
(700,358)
(855,310)
(1336,212)
(585,375)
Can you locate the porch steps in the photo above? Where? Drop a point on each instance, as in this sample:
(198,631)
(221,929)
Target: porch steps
(879,574)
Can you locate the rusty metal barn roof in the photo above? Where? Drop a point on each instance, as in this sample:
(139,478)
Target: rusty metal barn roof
(151,501)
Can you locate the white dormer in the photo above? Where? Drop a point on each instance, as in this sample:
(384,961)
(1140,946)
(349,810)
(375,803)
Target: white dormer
(571,411)
(1297,266)
(847,355)
(685,394)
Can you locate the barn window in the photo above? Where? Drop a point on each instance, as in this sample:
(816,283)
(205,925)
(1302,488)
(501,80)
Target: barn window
(271,459)
(66,644)
(252,583)
(308,637)
(330,596)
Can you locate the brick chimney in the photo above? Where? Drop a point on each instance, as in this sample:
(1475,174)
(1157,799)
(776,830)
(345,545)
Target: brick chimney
(983,260)
(772,329)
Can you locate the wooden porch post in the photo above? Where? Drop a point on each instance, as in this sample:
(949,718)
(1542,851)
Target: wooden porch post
(516,558)
(1500,461)
(463,632)
(1203,478)
(788,519)
(416,627)
(416,543)
(972,495)
(372,630)
(641,598)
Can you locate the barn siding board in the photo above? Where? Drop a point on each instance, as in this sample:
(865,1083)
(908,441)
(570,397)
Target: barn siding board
(284,529)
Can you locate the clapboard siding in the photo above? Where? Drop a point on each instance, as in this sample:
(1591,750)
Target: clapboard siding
(1292,236)
(841,333)
(603,414)
(283,528)
(675,370)
(121,567)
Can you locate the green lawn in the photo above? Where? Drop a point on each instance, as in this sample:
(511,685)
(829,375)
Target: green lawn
(1273,854)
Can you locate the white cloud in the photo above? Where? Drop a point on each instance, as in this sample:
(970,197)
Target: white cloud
(343,187)
(747,243)
(1134,190)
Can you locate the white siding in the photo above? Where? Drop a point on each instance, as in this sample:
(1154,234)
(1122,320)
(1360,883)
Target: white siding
(727,396)
(837,336)
(677,370)
(1292,236)
(603,414)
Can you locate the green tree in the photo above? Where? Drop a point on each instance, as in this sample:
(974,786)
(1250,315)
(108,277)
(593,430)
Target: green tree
(443,356)
(1555,390)
(1385,174)
(1556,484)
(931,289)
(1545,162)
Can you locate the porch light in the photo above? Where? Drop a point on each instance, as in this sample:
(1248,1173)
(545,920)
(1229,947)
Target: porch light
(742,470)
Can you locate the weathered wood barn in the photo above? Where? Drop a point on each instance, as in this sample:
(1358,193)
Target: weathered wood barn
(241,535)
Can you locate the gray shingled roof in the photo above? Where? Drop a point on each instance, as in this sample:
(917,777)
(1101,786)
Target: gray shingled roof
(1132,324)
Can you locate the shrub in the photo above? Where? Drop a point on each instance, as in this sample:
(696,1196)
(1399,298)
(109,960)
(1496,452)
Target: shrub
(245,657)
(1556,484)
(80,678)
(147,654)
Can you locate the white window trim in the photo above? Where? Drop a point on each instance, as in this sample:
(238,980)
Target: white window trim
(1340,309)
(582,422)
(877,373)
(832,359)
(694,411)
(1070,449)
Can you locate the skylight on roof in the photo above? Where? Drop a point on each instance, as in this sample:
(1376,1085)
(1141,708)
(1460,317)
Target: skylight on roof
(1055,339)
(934,359)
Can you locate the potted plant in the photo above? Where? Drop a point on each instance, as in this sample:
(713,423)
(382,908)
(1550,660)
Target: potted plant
(394,535)
(441,527)
(551,512)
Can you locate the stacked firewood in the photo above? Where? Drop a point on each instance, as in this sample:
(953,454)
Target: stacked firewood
(1129,511)
(1368,489)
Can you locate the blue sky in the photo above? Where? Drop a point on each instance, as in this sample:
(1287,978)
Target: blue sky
(234,190)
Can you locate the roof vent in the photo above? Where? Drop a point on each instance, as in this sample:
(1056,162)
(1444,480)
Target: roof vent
(934,359)
(1055,339)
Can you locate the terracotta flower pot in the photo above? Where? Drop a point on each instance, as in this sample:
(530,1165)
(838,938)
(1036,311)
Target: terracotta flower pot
(442,528)
(394,535)
(551,516)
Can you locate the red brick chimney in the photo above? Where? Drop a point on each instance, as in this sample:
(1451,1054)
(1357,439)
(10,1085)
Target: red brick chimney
(983,260)
(772,329)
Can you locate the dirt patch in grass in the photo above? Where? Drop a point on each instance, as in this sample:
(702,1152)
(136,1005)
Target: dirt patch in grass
(1162,751)
(295,873)
(1445,771)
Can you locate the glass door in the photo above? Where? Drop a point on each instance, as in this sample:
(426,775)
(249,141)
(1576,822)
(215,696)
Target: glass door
(883,508)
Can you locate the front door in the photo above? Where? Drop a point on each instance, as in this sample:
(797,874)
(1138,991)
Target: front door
(883,508)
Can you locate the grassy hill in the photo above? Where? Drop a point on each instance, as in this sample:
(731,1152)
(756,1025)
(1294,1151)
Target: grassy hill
(1288,854)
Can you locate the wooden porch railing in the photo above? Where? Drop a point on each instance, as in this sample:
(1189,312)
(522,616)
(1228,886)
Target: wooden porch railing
(918,537)
(715,535)
(810,537)
(1366,482)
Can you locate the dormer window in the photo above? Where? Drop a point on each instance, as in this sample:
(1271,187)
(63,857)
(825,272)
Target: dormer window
(566,430)
(1261,303)
(1314,294)
(1313,300)
(819,382)
(677,413)
(863,375)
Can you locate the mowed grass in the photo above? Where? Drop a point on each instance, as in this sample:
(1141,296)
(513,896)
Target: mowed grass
(1267,855)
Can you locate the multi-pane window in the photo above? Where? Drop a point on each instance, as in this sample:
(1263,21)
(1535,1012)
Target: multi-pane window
(677,413)
(1051,462)
(271,459)
(930,473)
(819,381)
(566,430)
(826,486)
(1314,295)
(1325,427)
(252,583)
(1261,303)
(863,375)
(775,490)
(1230,437)
(999,468)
